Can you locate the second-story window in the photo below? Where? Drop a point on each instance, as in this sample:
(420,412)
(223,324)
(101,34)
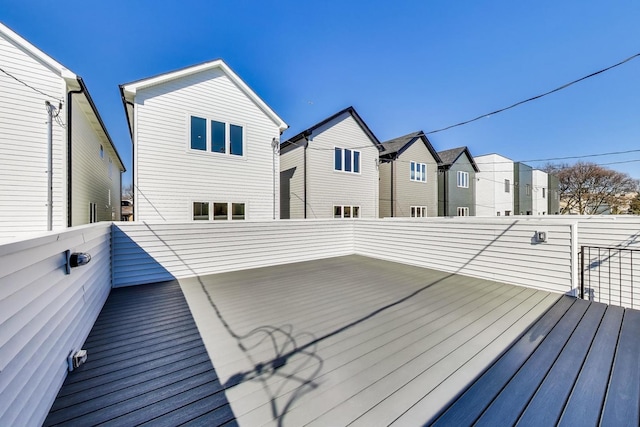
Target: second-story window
(224,138)
(507,186)
(527,189)
(418,172)
(346,160)
(463,179)
(544,192)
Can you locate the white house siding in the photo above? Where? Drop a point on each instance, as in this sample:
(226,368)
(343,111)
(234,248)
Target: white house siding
(327,187)
(491,196)
(292,183)
(23,145)
(45,314)
(151,252)
(500,250)
(91,181)
(169,176)
(540,192)
(409,193)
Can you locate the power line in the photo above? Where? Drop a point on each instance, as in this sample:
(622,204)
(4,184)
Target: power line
(29,86)
(564,86)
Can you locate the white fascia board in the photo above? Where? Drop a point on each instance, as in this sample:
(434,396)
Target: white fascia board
(131,89)
(37,53)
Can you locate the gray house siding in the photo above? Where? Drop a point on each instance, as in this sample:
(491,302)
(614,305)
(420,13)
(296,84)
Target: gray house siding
(384,192)
(553,199)
(292,183)
(450,196)
(522,193)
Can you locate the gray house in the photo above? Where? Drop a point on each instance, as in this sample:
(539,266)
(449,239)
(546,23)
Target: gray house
(522,189)
(330,170)
(457,183)
(409,177)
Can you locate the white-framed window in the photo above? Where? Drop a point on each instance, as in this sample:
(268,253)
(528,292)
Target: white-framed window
(216,136)
(463,211)
(507,213)
(463,179)
(507,186)
(221,211)
(527,189)
(544,192)
(498,213)
(346,211)
(93,213)
(418,172)
(418,211)
(346,160)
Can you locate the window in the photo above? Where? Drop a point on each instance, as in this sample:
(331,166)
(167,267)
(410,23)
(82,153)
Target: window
(507,186)
(498,213)
(101,152)
(527,189)
(341,211)
(418,172)
(223,138)
(463,211)
(463,179)
(200,211)
(507,213)
(418,211)
(346,160)
(544,193)
(237,211)
(93,213)
(220,211)
(218,137)
(198,133)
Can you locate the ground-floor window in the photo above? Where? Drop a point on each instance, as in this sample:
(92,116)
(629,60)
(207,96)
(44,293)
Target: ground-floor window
(507,213)
(93,213)
(222,211)
(418,211)
(463,211)
(346,211)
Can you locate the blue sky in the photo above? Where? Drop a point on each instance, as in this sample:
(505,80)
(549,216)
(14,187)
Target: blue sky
(404,65)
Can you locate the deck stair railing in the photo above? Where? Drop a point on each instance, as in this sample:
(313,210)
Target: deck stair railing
(610,275)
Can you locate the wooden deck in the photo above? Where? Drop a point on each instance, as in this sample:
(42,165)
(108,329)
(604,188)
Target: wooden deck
(353,340)
(146,364)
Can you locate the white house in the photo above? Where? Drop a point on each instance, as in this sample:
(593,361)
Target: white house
(494,186)
(47,115)
(540,194)
(331,170)
(204,146)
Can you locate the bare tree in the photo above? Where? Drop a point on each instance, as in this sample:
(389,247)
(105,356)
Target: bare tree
(127,192)
(587,188)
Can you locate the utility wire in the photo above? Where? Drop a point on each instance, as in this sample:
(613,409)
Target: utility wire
(29,86)
(564,86)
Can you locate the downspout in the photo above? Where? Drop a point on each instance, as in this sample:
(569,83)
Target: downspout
(445,208)
(133,166)
(306,144)
(69,156)
(392,204)
(49,165)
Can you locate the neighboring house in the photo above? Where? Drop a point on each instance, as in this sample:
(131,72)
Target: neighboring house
(408,177)
(86,168)
(204,146)
(553,198)
(540,192)
(456,183)
(494,186)
(330,170)
(523,189)
(127,209)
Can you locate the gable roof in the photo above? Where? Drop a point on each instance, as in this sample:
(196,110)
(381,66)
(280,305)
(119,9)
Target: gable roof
(73,82)
(392,148)
(449,157)
(129,90)
(349,110)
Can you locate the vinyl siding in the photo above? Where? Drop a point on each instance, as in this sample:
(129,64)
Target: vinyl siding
(292,183)
(23,145)
(457,197)
(147,253)
(327,187)
(384,190)
(523,176)
(497,250)
(91,182)
(45,314)
(170,176)
(540,183)
(412,193)
(491,196)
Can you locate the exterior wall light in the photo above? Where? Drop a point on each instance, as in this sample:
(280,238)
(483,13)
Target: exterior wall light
(76,259)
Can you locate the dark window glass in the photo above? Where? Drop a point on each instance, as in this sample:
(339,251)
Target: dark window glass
(200,211)
(507,186)
(347,211)
(347,160)
(220,211)
(235,134)
(356,161)
(356,211)
(337,159)
(218,139)
(237,210)
(337,211)
(198,133)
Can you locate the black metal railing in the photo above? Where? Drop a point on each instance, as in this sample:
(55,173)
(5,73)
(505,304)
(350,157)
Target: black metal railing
(609,275)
